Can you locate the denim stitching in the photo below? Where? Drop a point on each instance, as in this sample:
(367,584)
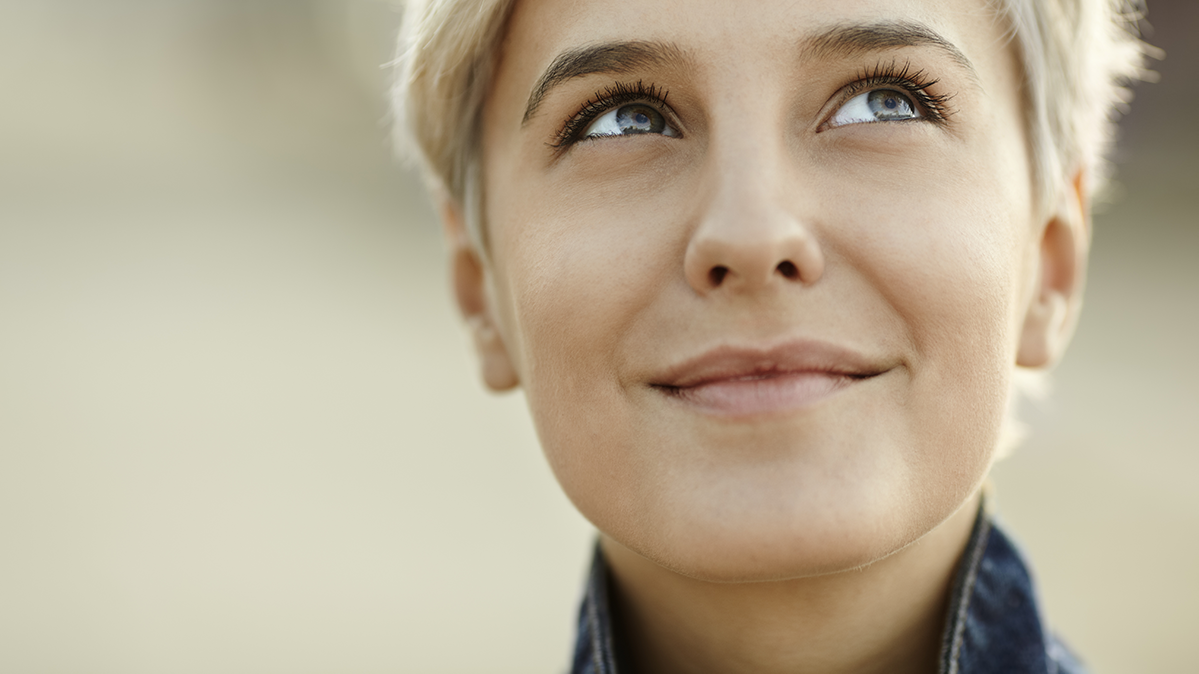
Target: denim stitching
(600,644)
(978,546)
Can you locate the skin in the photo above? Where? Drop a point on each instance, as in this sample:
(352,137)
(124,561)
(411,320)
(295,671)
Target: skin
(816,537)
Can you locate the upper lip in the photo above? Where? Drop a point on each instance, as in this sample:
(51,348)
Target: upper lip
(731,362)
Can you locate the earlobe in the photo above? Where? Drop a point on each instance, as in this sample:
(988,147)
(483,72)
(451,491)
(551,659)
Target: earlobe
(469,278)
(1056,297)
(497,370)
(1045,331)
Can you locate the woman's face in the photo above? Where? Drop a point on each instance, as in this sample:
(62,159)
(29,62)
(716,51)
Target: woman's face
(760,267)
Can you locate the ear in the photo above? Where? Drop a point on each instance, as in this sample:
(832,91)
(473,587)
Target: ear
(1058,282)
(469,277)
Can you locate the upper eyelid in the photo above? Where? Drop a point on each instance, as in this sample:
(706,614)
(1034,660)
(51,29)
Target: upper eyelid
(914,83)
(603,101)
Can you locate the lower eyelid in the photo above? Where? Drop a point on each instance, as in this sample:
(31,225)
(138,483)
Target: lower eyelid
(917,84)
(578,126)
(661,117)
(612,97)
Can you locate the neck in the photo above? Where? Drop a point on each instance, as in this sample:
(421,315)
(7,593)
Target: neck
(885,617)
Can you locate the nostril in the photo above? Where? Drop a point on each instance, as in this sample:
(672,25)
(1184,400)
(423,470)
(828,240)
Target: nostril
(788,269)
(717,275)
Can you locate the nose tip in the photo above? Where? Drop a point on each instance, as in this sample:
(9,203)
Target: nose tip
(745,260)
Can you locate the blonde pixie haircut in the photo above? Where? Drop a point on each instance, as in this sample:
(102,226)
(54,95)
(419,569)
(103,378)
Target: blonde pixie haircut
(1078,57)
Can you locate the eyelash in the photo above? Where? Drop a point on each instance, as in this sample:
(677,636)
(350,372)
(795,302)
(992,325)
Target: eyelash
(614,95)
(916,83)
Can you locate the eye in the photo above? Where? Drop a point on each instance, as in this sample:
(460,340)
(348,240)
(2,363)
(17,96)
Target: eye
(627,120)
(877,105)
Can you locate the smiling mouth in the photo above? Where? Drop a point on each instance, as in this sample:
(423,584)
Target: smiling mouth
(740,382)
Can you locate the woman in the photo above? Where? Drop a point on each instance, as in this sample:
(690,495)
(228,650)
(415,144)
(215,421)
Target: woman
(766,273)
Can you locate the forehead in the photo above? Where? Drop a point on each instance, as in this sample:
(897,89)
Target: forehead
(717,34)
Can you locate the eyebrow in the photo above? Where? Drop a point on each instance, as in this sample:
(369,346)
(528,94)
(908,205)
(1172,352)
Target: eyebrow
(839,40)
(854,39)
(607,57)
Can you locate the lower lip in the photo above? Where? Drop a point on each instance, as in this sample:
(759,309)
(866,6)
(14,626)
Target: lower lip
(763,395)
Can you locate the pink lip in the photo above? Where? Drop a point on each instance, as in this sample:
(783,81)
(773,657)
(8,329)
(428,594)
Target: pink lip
(735,381)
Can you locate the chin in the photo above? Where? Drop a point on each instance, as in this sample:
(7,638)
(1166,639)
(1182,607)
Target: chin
(755,530)
(747,546)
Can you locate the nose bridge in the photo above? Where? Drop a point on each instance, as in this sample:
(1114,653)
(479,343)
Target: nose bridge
(749,233)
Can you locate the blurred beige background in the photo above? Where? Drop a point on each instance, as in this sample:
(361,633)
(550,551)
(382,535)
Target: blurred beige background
(240,430)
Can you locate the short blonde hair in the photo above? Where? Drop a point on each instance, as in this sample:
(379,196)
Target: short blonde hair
(1078,57)
(444,61)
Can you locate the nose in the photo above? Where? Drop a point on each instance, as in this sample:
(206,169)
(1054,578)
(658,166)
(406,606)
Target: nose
(749,238)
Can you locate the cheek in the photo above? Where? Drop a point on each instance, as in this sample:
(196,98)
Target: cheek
(577,271)
(943,251)
(584,250)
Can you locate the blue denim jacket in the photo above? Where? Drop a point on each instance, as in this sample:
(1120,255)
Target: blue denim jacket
(993,625)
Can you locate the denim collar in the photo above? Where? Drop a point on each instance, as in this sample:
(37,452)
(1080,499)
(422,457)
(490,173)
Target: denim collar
(993,625)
